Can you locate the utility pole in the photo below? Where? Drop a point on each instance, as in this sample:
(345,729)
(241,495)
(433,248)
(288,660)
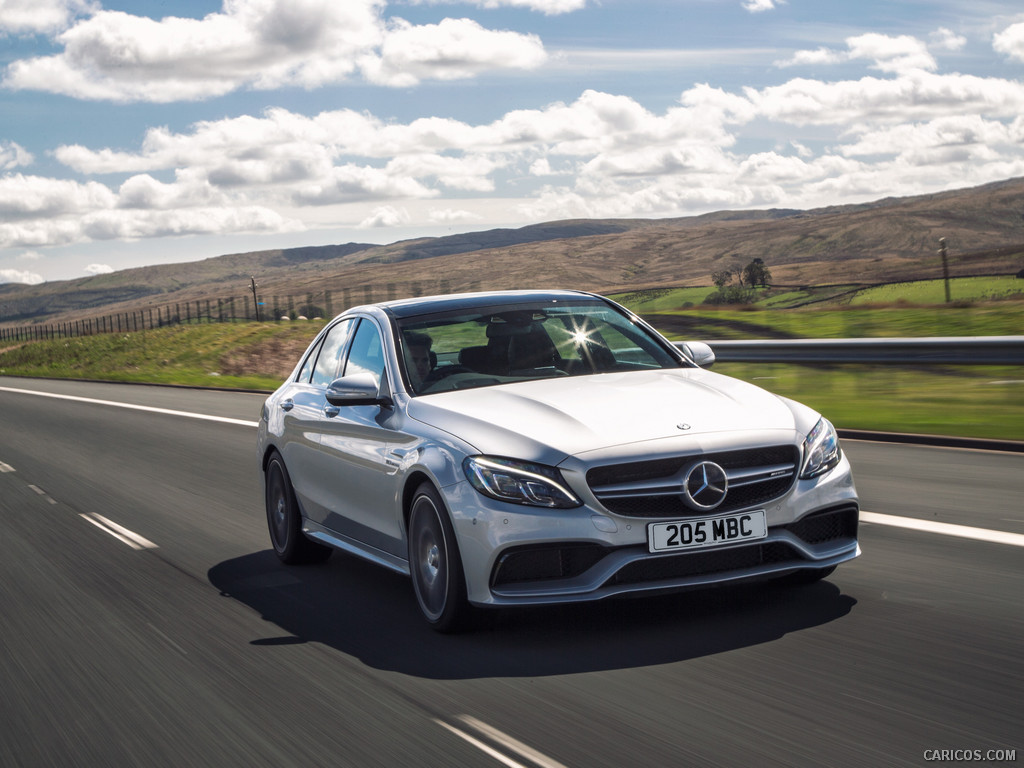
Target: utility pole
(256,303)
(945,265)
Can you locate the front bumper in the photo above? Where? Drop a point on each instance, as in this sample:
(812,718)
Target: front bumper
(515,555)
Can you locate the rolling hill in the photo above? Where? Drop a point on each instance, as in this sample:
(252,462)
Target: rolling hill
(887,240)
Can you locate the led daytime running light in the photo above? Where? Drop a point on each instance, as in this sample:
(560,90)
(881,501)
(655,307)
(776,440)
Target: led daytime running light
(519,482)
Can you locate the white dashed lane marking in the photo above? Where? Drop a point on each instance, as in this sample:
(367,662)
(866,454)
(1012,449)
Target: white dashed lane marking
(119,532)
(501,746)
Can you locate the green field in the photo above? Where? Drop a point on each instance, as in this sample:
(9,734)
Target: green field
(934,291)
(917,293)
(966,401)
(1000,319)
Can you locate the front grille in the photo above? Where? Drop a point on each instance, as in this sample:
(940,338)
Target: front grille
(655,488)
(704,563)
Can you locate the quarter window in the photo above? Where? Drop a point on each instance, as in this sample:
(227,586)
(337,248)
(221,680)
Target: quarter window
(307,365)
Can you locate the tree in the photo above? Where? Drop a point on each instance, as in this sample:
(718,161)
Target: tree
(732,294)
(756,273)
(721,278)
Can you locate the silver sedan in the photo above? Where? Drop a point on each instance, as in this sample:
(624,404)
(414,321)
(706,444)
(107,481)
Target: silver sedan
(541,447)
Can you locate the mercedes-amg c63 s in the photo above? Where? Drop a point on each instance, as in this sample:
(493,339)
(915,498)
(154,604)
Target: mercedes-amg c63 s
(541,447)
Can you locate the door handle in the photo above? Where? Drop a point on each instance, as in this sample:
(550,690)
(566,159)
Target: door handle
(330,411)
(287,405)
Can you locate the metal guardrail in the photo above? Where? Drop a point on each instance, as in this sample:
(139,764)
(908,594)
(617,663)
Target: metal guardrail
(951,350)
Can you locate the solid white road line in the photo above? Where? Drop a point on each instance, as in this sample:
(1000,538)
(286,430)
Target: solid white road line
(147,408)
(946,529)
(132,539)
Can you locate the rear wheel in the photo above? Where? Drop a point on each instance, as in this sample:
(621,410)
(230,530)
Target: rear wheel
(435,564)
(284,519)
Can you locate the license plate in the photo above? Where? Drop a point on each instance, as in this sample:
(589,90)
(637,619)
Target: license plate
(706,532)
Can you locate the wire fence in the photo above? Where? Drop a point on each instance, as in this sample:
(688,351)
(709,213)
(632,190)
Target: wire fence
(258,308)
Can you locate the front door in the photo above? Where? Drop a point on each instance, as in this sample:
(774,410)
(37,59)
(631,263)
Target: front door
(360,483)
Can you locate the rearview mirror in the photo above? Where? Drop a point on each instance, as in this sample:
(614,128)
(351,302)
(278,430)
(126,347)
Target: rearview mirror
(702,354)
(357,389)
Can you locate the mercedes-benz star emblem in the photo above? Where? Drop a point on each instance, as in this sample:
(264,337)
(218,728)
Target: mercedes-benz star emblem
(705,486)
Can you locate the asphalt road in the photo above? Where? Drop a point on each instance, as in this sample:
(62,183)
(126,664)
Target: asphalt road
(170,635)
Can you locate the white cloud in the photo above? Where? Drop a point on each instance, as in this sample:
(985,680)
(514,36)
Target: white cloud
(19,17)
(801,149)
(99,269)
(758,6)
(1010,41)
(30,197)
(384,217)
(947,40)
(451,216)
(811,58)
(541,167)
(888,53)
(13,155)
(891,54)
(20,276)
(548,7)
(263,44)
(453,49)
(940,143)
(37,211)
(913,96)
(353,183)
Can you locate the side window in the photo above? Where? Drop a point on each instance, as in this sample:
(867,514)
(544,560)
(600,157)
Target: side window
(367,352)
(326,369)
(307,365)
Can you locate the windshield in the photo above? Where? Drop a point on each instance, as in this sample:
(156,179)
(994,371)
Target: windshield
(480,348)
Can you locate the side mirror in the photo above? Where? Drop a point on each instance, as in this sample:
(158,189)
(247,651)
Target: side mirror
(699,352)
(357,389)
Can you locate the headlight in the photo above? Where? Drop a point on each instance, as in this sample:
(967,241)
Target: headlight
(821,450)
(519,482)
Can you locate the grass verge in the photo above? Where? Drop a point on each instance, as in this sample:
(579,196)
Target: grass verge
(228,355)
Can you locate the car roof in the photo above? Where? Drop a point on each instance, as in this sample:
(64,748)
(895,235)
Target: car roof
(402,308)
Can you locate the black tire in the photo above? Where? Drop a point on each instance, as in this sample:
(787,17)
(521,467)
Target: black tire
(435,564)
(284,519)
(808,575)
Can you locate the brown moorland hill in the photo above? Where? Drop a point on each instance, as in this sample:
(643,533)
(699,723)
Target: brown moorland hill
(888,240)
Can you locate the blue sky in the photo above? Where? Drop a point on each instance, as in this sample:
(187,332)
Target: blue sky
(136,133)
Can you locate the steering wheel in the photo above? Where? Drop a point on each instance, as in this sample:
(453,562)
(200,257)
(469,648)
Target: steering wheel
(445,371)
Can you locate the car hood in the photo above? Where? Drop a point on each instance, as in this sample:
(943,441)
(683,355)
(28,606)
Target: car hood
(550,419)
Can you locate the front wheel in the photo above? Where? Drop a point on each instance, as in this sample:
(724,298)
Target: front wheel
(435,564)
(285,521)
